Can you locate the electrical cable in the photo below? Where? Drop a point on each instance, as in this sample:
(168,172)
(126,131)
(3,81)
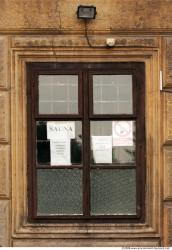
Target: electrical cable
(88,40)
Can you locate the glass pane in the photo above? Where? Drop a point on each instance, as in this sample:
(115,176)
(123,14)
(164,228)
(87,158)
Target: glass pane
(113,142)
(113,192)
(59,142)
(58,94)
(112,94)
(59,191)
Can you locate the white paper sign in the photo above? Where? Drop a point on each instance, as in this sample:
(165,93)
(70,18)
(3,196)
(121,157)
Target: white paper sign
(102,149)
(60,151)
(122,133)
(59,129)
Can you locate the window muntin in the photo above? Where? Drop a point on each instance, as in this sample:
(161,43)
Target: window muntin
(91,175)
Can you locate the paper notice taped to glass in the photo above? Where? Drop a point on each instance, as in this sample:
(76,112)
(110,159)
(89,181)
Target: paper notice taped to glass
(58,129)
(122,133)
(60,152)
(102,149)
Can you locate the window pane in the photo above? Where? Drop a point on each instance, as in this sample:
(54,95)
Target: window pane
(59,192)
(112,94)
(58,94)
(113,192)
(43,152)
(66,134)
(113,142)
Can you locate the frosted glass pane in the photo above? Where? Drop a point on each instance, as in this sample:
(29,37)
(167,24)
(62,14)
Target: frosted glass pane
(60,107)
(59,191)
(113,192)
(58,94)
(112,94)
(44,107)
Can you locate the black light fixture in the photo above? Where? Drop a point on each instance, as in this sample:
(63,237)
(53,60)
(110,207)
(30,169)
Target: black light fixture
(86,12)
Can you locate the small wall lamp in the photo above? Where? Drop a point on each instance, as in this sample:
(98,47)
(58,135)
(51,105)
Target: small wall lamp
(86,12)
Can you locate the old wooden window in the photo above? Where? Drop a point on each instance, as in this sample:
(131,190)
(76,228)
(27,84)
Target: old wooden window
(86,142)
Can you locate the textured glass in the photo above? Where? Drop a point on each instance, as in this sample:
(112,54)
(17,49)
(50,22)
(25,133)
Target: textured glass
(120,154)
(58,94)
(112,94)
(43,144)
(113,192)
(59,191)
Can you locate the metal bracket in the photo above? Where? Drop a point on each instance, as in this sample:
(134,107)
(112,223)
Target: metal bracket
(161,81)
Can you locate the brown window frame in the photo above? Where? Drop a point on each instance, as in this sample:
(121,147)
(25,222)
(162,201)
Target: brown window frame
(85,105)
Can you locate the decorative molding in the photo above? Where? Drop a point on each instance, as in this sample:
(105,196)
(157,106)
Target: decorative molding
(4,171)
(107,32)
(4,223)
(167,119)
(167,241)
(168,173)
(20,227)
(167,61)
(141,242)
(4,117)
(4,62)
(80,41)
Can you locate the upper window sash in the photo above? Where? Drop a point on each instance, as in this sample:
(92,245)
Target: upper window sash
(59,93)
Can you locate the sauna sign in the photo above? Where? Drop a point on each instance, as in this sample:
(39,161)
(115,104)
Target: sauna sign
(60,135)
(56,130)
(122,133)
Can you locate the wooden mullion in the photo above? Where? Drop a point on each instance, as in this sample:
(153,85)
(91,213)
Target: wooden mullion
(80,217)
(86,151)
(30,170)
(113,117)
(140,140)
(122,167)
(58,117)
(59,167)
(31,109)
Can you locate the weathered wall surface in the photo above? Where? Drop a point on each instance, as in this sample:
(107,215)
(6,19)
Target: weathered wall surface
(30,30)
(5,179)
(60,14)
